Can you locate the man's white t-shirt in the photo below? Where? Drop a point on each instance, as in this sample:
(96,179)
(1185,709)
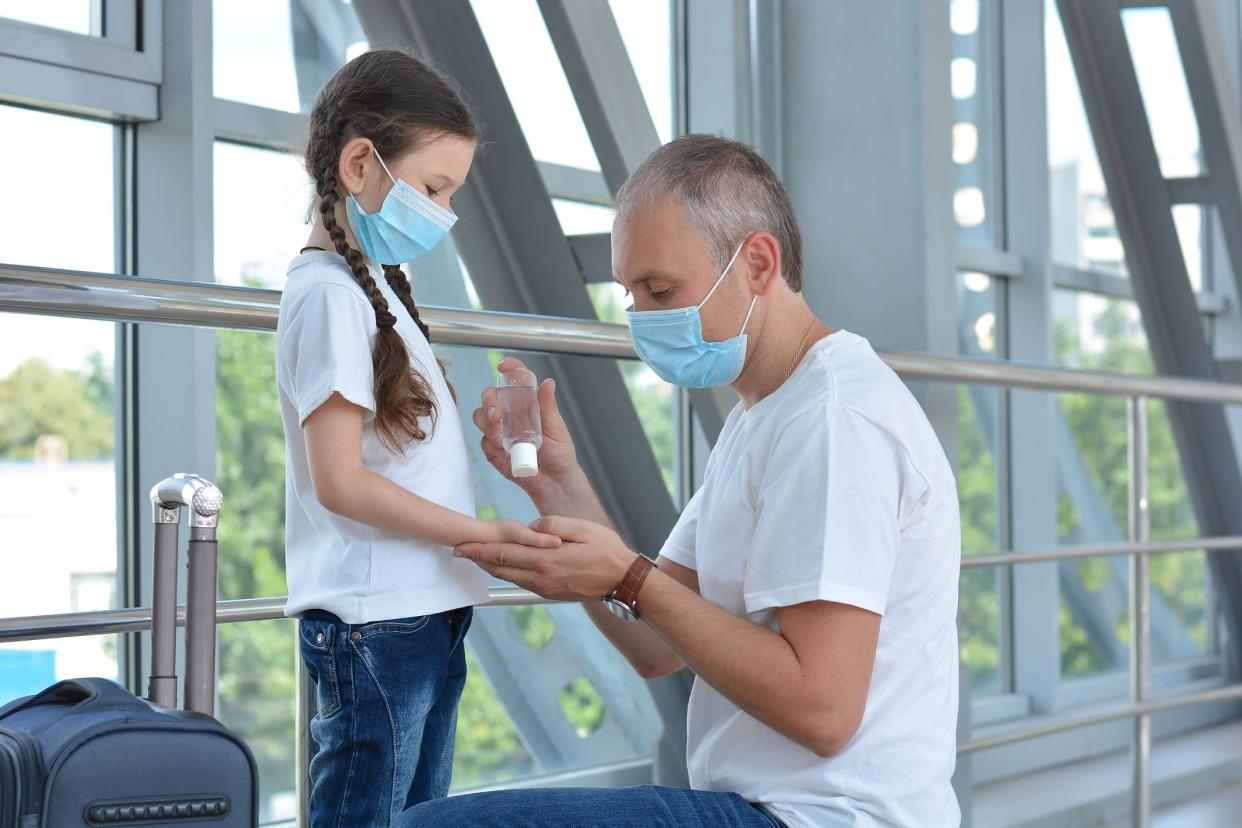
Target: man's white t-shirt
(834,488)
(362,574)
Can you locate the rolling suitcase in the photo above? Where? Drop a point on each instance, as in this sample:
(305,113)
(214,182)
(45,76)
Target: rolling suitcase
(86,752)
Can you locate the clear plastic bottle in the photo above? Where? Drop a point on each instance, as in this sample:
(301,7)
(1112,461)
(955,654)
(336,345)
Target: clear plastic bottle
(520,431)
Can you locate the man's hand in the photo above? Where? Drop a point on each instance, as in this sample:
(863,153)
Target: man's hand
(591,562)
(557,457)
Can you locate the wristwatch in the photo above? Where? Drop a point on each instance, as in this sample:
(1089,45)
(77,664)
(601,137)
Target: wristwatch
(623,601)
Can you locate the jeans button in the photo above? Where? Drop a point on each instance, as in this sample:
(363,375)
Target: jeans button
(319,638)
(357,636)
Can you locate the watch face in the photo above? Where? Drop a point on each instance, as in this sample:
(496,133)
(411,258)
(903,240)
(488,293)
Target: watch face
(619,609)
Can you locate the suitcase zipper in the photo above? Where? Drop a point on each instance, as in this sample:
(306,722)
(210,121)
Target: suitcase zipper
(32,771)
(9,763)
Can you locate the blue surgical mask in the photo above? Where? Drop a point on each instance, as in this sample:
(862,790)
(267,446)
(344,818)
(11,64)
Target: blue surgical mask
(407,224)
(671,343)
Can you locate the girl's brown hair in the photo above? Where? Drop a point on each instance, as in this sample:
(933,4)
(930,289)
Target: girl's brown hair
(398,103)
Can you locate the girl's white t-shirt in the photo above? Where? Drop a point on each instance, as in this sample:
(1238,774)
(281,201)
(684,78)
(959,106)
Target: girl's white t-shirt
(362,574)
(834,488)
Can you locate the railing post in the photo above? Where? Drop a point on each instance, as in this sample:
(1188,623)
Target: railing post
(303,746)
(1140,607)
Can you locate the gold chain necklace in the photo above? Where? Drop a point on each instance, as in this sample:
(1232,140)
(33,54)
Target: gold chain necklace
(798,354)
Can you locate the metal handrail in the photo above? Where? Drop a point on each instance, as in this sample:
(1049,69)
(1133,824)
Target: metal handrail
(137,619)
(114,298)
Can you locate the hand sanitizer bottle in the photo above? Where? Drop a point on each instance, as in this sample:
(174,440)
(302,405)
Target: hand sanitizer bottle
(520,431)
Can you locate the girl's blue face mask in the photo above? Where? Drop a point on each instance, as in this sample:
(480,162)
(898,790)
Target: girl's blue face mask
(671,343)
(407,224)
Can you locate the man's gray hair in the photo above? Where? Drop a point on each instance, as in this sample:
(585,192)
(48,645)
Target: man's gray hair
(727,190)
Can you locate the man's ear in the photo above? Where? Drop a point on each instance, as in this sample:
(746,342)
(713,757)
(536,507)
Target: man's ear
(763,254)
(353,166)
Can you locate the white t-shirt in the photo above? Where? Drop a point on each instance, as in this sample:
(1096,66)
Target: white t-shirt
(360,573)
(835,488)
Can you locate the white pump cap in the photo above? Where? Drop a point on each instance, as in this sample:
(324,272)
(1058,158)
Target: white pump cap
(525,459)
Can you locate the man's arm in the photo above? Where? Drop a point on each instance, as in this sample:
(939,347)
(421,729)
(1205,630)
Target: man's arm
(807,680)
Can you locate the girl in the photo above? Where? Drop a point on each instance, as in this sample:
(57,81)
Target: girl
(378,483)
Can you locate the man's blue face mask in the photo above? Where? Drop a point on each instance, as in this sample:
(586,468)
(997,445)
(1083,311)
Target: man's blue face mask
(671,343)
(407,224)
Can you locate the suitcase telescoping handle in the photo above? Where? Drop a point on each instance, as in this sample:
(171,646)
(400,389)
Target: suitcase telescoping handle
(203,499)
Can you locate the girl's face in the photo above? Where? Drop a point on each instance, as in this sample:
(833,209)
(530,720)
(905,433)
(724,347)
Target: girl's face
(438,168)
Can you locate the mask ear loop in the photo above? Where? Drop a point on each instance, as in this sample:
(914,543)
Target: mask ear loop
(723,274)
(748,313)
(382,164)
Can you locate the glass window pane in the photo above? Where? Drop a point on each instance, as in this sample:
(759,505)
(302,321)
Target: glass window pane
(1083,232)
(489,749)
(261,202)
(982,608)
(646,29)
(1162,83)
(973,79)
(78,16)
(278,54)
(1188,219)
(536,84)
(1098,333)
(57,400)
(578,217)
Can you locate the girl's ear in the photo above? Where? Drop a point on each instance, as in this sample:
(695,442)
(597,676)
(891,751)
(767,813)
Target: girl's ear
(352,169)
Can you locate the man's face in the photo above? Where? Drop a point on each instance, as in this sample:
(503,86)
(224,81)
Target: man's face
(663,262)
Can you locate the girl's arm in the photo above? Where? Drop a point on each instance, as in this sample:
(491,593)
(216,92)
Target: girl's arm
(345,486)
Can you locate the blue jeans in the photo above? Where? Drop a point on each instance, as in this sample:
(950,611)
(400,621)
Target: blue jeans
(646,806)
(388,694)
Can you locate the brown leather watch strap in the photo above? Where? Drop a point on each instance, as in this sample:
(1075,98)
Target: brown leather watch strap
(627,592)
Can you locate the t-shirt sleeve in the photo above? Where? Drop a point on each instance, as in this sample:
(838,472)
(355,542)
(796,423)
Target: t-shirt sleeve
(827,514)
(327,346)
(679,548)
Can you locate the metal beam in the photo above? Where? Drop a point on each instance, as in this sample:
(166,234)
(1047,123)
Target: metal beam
(575,184)
(604,85)
(1194,190)
(1218,110)
(1143,211)
(1209,302)
(593,252)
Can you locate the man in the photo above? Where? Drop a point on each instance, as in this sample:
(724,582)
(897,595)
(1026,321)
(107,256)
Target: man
(810,584)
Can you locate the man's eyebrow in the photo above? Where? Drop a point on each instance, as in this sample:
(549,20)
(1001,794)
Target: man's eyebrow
(645,277)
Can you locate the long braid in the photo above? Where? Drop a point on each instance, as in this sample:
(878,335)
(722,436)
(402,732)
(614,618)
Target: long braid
(400,284)
(402,395)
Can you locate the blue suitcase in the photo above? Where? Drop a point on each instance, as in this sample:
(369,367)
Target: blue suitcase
(87,752)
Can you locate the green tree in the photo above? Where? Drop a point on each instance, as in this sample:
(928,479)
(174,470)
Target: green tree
(38,400)
(979,599)
(1099,426)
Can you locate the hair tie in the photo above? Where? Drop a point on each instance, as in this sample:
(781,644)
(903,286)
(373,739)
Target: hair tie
(385,320)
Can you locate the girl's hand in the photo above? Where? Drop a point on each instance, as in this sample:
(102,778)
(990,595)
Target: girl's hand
(512,531)
(557,457)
